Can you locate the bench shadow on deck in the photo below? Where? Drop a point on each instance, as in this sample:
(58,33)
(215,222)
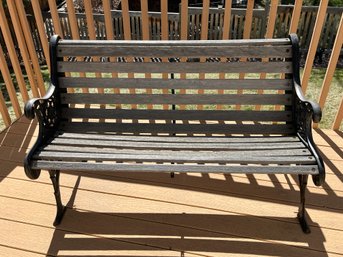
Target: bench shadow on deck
(89,233)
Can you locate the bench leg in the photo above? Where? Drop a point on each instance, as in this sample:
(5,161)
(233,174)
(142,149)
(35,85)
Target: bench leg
(55,177)
(302,211)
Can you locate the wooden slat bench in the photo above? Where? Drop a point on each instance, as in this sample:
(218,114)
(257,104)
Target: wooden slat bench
(175,106)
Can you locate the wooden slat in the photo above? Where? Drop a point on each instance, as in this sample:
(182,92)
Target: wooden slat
(228,67)
(268,84)
(183,139)
(14,58)
(41,30)
(183,49)
(75,33)
(30,46)
(91,32)
(269,34)
(127,34)
(109,30)
(266,99)
(177,115)
(164,20)
(339,117)
(80,149)
(126,19)
(184,20)
(227,20)
(173,43)
(237,158)
(81,166)
(22,46)
(336,50)
(55,18)
(246,35)
(6,75)
(145,25)
(314,43)
(194,146)
(177,128)
(295,16)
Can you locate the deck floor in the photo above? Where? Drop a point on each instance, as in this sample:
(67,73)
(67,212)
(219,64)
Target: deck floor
(141,214)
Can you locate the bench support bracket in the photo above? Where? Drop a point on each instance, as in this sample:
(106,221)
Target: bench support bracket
(55,177)
(302,211)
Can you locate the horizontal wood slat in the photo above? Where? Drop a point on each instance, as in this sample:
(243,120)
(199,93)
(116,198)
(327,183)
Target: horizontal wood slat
(82,166)
(262,152)
(170,67)
(176,51)
(177,128)
(266,99)
(174,43)
(177,114)
(176,157)
(182,139)
(178,145)
(272,84)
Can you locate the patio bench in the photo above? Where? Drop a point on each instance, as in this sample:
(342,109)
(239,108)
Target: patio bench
(176,107)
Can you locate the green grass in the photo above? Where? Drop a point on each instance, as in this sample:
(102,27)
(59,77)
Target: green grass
(313,91)
(334,97)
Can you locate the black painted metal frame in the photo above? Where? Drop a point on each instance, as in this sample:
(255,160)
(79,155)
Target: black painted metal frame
(47,110)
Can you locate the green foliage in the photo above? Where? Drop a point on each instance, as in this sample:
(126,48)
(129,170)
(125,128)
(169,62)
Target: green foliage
(337,3)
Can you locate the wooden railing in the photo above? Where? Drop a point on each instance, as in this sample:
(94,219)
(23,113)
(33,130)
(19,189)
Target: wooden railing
(318,27)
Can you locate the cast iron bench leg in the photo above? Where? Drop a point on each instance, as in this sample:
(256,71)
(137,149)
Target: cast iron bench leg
(302,211)
(55,177)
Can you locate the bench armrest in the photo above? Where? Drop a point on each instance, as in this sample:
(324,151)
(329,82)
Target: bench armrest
(305,112)
(46,111)
(307,105)
(36,105)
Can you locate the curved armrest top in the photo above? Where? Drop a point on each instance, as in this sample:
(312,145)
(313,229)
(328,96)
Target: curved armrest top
(29,109)
(316,110)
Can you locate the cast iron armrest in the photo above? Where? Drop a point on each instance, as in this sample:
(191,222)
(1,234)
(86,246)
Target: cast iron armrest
(35,103)
(47,112)
(307,105)
(305,112)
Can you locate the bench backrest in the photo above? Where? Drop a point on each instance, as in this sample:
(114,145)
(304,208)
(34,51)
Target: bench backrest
(176,87)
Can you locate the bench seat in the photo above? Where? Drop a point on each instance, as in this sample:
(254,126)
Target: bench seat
(82,151)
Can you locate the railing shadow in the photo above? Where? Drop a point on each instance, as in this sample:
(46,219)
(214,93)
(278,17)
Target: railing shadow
(14,142)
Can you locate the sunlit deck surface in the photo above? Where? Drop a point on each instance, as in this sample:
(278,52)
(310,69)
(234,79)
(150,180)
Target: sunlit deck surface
(144,214)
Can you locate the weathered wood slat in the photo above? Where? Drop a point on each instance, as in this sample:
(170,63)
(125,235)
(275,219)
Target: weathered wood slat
(175,157)
(182,43)
(177,114)
(172,67)
(177,128)
(183,139)
(176,146)
(271,84)
(283,51)
(82,166)
(266,99)
(259,152)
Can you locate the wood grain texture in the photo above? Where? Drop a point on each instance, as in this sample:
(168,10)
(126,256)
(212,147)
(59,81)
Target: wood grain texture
(163,49)
(177,128)
(184,67)
(81,166)
(177,114)
(267,84)
(266,99)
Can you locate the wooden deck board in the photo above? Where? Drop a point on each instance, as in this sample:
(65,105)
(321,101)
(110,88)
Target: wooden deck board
(154,215)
